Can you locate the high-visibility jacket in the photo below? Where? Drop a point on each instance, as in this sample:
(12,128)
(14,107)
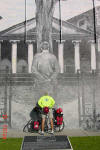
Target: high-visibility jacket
(46,101)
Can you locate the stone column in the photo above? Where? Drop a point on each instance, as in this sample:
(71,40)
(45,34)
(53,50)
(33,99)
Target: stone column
(93,55)
(14,55)
(0,48)
(30,54)
(61,55)
(98,44)
(77,55)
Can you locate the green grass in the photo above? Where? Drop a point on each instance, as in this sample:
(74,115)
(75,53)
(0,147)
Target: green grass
(85,143)
(78,143)
(10,144)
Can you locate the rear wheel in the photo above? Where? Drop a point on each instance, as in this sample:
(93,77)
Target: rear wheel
(28,127)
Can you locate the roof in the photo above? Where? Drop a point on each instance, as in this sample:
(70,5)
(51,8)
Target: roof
(89,12)
(69,30)
(84,14)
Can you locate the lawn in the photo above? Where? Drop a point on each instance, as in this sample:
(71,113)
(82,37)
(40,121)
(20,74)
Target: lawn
(85,143)
(10,144)
(78,143)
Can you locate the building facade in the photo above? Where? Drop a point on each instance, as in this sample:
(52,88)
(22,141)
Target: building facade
(78,81)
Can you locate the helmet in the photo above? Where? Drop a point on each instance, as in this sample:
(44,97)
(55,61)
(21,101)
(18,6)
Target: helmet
(60,109)
(46,110)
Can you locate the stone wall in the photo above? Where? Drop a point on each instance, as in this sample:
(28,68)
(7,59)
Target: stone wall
(24,99)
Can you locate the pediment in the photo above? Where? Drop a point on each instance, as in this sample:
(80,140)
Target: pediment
(67,28)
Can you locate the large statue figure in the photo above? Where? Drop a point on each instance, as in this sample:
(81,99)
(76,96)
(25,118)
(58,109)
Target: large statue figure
(45,66)
(45,69)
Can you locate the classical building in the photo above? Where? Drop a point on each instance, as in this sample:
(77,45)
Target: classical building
(77,53)
(86,21)
(19,54)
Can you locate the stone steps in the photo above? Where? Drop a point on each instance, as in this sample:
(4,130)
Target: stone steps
(46,143)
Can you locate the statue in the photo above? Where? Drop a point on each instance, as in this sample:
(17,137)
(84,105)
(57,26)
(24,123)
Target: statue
(45,66)
(45,69)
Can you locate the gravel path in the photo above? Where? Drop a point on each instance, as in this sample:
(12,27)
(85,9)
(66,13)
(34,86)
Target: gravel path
(69,132)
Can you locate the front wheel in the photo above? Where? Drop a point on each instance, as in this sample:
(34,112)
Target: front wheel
(59,128)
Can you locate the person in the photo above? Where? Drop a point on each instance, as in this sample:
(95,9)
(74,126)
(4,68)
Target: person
(45,69)
(43,102)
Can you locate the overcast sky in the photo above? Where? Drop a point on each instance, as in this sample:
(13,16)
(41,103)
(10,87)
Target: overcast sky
(13,12)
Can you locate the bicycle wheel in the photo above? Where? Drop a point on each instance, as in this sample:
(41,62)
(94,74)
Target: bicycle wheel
(59,128)
(27,127)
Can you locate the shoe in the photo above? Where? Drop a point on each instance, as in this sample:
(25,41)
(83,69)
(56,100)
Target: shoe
(41,132)
(51,132)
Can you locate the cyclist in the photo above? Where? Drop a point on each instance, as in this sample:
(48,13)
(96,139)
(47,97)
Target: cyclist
(44,102)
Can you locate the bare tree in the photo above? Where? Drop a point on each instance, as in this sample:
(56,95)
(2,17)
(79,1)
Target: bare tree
(44,16)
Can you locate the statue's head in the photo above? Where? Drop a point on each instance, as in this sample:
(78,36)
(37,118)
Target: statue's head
(44,45)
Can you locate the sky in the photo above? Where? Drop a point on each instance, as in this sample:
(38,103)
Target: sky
(13,11)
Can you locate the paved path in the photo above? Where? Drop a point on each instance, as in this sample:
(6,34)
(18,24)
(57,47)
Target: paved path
(68,132)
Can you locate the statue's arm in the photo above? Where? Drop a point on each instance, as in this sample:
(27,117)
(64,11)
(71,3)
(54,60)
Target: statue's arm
(56,68)
(34,68)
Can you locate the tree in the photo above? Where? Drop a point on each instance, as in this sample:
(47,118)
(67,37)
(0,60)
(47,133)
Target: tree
(44,16)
